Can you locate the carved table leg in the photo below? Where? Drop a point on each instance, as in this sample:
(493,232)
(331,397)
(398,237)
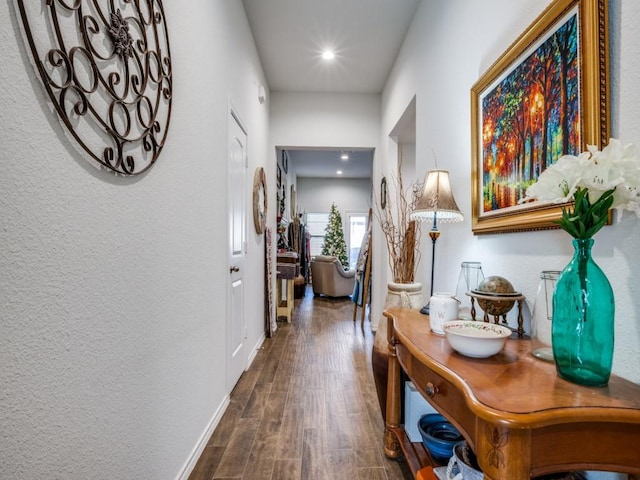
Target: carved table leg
(391,445)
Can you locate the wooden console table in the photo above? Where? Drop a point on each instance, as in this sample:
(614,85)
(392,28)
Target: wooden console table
(284,303)
(519,417)
(286,271)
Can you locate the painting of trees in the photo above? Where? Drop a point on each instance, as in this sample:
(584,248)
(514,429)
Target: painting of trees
(531,117)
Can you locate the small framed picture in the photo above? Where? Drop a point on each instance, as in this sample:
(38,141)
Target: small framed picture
(383,193)
(278,176)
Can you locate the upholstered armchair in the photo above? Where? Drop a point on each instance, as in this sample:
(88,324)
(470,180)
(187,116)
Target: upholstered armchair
(329,278)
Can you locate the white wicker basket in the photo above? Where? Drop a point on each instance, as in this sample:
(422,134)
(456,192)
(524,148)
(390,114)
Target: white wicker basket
(459,467)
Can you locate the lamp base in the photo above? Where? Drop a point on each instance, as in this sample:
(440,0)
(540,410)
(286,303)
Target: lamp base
(425,310)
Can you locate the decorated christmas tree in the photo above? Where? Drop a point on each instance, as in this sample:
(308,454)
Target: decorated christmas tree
(334,243)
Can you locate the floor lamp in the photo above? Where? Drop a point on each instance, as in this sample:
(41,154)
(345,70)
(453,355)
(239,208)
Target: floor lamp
(436,203)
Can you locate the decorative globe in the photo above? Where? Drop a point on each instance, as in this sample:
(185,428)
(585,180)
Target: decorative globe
(495,286)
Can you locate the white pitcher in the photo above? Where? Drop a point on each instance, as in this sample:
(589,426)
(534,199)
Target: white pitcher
(443,307)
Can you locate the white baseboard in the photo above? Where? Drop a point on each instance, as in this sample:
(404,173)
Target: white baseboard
(202,442)
(254,351)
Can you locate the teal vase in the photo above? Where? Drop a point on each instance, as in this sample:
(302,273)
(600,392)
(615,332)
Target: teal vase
(582,329)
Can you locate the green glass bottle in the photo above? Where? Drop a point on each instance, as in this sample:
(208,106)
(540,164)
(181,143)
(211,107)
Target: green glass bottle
(583,320)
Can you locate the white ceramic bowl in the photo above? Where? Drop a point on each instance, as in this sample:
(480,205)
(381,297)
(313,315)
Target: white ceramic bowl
(476,338)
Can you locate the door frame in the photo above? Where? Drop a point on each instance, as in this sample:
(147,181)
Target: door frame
(347,224)
(232,115)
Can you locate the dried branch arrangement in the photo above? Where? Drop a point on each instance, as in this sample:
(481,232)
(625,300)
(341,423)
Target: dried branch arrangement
(402,234)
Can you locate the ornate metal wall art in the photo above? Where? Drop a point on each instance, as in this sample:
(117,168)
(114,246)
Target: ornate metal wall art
(106,66)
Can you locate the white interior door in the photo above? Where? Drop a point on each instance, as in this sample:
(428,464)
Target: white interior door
(236,324)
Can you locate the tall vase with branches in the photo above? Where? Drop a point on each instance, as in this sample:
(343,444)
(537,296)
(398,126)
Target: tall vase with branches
(402,238)
(402,235)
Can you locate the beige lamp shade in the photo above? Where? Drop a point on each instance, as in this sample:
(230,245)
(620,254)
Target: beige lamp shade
(437,199)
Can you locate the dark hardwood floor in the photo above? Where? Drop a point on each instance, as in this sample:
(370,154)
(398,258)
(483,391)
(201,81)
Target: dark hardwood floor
(306,409)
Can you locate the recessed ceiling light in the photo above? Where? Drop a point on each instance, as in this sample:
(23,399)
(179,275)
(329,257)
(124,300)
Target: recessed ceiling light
(344,156)
(328,55)
(339,172)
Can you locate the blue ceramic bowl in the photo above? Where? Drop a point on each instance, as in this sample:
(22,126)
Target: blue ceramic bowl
(439,436)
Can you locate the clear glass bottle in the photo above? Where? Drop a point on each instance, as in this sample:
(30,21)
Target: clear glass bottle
(469,278)
(541,316)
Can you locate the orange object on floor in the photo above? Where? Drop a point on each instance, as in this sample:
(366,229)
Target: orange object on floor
(426,473)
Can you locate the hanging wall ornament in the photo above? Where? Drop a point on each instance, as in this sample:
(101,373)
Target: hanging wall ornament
(106,67)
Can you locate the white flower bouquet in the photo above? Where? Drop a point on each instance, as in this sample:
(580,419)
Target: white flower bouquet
(596,181)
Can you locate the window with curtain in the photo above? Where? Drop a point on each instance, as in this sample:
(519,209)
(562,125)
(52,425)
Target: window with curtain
(316,225)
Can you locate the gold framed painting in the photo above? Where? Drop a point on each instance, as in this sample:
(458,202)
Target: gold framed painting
(547,95)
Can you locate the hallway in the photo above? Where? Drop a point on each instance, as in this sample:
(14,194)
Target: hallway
(307,407)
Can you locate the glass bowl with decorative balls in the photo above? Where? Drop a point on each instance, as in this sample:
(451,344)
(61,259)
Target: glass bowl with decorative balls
(495,286)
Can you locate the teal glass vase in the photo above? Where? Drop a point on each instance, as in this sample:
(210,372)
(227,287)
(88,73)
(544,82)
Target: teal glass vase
(582,328)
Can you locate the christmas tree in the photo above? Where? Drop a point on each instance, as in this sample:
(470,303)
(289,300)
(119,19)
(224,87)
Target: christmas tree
(334,243)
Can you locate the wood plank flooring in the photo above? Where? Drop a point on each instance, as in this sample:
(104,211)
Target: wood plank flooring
(306,409)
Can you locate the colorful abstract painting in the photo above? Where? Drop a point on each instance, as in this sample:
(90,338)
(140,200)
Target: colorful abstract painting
(530,117)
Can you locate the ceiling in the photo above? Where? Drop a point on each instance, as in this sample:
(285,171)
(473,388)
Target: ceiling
(366,36)
(327,162)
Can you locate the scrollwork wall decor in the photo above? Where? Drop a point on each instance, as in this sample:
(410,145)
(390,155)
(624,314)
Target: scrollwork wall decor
(106,67)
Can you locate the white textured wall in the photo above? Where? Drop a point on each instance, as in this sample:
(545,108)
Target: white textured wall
(112,298)
(324,120)
(449,46)
(349,194)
